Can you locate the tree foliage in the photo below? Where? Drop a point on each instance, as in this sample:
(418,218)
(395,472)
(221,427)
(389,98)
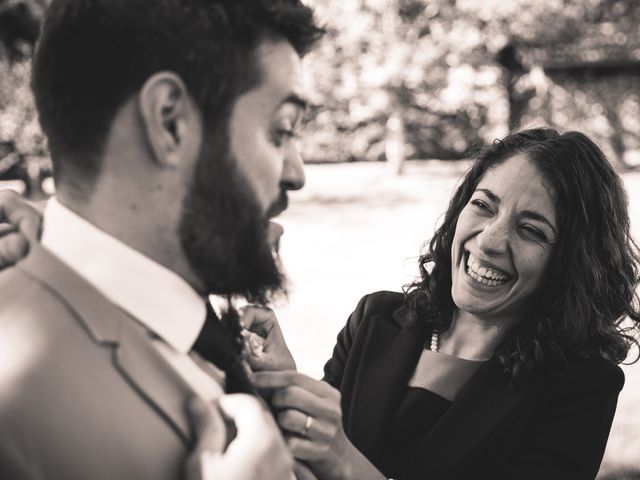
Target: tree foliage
(453,70)
(438,62)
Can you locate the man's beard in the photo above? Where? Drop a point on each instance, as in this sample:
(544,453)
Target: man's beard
(223,233)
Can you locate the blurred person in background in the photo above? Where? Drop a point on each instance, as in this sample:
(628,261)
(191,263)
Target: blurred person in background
(501,361)
(171,128)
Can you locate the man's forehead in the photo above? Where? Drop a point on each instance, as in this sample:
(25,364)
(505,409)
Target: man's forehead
(281,73)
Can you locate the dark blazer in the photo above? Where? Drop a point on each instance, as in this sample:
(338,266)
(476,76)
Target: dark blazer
(555,428)
(83,393)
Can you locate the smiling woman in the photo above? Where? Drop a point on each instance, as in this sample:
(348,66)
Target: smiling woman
(501,361)
(547,213)
(502,243)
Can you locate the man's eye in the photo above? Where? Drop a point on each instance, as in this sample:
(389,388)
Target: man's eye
(287,133)
(282,134)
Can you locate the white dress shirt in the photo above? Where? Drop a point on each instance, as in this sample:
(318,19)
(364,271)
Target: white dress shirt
(155,296)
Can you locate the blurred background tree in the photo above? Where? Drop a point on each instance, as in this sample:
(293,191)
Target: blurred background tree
(23,153)
(464,72)
(454,73)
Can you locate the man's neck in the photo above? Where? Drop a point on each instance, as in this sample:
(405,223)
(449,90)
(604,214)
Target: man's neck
(152,294)
(133,223)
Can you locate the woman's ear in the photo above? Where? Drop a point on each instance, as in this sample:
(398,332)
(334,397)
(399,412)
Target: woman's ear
(170,118)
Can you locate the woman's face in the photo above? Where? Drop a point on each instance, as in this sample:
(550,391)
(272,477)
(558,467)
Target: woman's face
(503,241)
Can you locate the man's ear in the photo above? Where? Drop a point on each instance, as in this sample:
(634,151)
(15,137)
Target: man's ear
(170,118)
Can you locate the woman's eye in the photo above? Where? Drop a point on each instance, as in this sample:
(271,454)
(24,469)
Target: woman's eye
(534,232)
(480,205)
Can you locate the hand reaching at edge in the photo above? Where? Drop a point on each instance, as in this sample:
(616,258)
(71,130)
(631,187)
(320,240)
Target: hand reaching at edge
(19,226)
(257,452)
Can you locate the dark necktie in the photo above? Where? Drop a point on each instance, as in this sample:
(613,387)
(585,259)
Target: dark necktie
(215,345)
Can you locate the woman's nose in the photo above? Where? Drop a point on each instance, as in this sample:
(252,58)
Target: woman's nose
(494,237)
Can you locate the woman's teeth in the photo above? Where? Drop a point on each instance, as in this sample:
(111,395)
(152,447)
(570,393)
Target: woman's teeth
(484,275)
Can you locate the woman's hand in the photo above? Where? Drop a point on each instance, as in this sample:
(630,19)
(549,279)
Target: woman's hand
(258,451)
(310,411)
(23,226)
(274,354)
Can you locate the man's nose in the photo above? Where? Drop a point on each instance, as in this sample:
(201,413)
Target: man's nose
(293,177)
(494,237)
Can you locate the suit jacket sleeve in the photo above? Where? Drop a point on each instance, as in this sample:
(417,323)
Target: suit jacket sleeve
(569,433)
(13,465)
(334,368)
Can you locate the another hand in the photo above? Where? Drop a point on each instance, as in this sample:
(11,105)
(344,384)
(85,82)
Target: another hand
(257,452)
(24,224)
(275,355)
(310,410)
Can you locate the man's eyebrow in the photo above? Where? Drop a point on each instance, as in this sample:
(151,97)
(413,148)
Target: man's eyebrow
(295,99)
(540,218)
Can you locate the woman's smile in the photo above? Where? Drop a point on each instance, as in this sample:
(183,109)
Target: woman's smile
(484,274)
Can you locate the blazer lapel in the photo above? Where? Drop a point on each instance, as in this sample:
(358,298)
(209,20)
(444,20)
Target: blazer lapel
(482,406)
(391,352)
(109,327)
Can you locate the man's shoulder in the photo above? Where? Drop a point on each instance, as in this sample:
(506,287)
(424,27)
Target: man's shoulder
(25,288)
(21,293)
(39,329)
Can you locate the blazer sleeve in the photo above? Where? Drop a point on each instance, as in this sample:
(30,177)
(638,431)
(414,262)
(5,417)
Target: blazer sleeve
(568,436)
(334,368)
(380,305)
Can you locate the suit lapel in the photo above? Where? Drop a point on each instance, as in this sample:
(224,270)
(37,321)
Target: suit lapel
(385,369)
(482,406)
(151,375)
(133,354)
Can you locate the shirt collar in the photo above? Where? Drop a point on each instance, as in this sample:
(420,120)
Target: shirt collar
(157,297)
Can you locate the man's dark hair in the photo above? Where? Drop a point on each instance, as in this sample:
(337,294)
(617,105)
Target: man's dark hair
(95,54)
(589,286)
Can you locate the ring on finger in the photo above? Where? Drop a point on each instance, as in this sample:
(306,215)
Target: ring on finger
(307,425)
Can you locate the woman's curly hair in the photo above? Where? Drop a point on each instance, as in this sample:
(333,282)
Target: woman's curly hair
(588,293)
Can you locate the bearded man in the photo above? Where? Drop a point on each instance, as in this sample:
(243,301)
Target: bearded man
(171,127)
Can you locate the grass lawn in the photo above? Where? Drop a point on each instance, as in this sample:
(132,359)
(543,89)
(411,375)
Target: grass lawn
(356,228)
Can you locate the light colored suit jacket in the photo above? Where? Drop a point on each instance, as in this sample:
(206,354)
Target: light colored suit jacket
(83,393)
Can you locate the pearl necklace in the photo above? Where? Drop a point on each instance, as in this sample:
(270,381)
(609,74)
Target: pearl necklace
(435,338)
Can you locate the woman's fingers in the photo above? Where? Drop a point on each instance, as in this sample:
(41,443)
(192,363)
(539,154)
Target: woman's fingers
(277,380)
(302,472)
(273,353)
(307,402)
(13,247)
(258,319)
(305,449)
(22,227)
(297,398)
(298,422)
(16,211)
